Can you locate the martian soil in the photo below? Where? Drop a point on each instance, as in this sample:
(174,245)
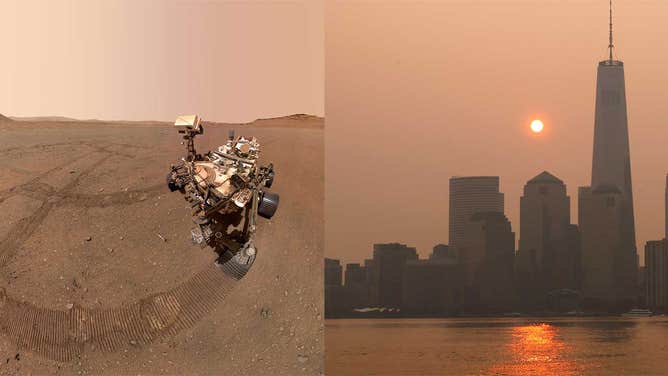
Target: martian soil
(98,272)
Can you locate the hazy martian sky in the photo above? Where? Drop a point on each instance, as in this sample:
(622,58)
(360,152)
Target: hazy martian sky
(155,59)
(417,93)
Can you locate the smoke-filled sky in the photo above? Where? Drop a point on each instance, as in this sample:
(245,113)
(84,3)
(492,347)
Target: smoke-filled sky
(419,92)
(155,59)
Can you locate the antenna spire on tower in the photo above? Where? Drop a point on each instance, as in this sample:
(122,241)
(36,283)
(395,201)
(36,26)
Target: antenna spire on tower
(611,46)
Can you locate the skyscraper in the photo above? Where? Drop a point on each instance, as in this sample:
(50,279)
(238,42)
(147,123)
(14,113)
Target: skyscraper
(356,286)
(430,286)
(545,214)
(611,165)
(609,255)
(386,273)
(656,259)
(470,195)
(548,255)
(486,259)
(334,297)
(333,272)
(609,270)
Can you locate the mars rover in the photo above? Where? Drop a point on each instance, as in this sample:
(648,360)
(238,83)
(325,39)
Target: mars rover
(226,191)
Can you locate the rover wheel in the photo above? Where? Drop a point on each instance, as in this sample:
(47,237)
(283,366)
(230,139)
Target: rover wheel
(171,184)
(268,205)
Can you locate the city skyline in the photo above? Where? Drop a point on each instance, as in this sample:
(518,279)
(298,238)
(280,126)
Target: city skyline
(542,177)
(457,112)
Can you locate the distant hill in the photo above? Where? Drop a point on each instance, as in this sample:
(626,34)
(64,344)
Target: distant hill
(291,121)
(288,121)
(294,117)
(43,118)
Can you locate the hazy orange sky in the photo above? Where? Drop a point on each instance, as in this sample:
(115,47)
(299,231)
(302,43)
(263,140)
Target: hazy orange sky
(419,92)
(155,59)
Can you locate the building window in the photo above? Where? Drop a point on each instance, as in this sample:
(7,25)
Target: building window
(610,202)
(611,97)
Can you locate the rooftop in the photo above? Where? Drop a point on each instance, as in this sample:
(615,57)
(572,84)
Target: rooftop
(545,177)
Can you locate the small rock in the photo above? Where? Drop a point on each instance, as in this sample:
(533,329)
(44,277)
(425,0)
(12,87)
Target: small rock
(101,189)
(133,342)
(121,238)
(72,171)
(265,312)
(302,358)
(69,306)
(17,356)
(89,238)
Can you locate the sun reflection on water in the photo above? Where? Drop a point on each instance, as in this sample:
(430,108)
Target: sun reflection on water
(536,349)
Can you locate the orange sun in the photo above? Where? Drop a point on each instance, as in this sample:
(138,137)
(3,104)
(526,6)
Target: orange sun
(536,126)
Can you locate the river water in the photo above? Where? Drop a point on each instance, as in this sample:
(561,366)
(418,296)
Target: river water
(503,346)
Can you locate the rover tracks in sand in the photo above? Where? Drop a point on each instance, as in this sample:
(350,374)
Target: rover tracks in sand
(63,335)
